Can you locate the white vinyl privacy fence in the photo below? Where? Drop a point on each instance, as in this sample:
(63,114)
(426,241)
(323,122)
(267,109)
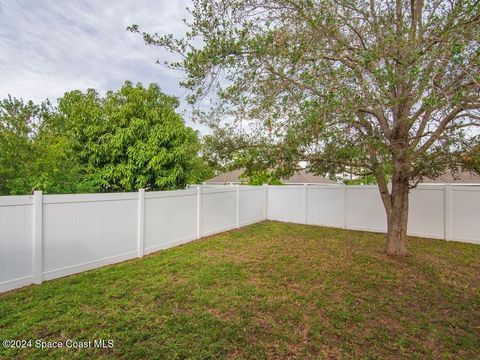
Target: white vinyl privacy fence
(450,212)
(50,236)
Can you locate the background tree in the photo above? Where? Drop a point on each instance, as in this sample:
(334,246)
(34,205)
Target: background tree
(18,129)
(131,138)
(56,167)
(128,139)
(389,86)
(33,154)
(361,180)
(201,171)
(226,150)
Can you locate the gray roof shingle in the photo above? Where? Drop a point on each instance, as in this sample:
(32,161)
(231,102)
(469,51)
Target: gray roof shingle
(462,177)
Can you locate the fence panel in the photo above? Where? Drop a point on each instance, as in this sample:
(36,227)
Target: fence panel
(426,216)
(464,214)
(82,232)
(57,235)
(252,201)
(326,205)
(170,218)
(286,203)
(16,244)
(219,210)
(364,209)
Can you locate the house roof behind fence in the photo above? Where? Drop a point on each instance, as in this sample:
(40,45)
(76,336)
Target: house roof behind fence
(300,177)
(462,177)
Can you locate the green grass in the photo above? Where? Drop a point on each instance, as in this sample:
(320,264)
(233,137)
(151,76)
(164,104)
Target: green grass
(270,290)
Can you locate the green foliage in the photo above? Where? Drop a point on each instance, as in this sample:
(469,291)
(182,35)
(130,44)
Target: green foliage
(129,139)
(336,83)
(472,158)
(260,177)
(31,157)
(57,168)
(201,171)
(18,126)
(226,149)
(361,180)
(389,88)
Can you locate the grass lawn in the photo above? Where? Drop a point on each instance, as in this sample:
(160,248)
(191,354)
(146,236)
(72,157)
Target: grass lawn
(270,290)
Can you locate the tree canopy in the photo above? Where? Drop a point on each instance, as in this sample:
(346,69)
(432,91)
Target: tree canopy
(128,139)
(131,138)
(18,128)
(389,87)
(31,156)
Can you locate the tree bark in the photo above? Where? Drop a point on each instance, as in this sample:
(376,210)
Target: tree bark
(397,215)
(397,218)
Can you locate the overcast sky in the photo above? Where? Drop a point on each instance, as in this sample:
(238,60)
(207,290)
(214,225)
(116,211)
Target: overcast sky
(49,47)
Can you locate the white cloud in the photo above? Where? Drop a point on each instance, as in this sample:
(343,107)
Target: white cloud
(50,47)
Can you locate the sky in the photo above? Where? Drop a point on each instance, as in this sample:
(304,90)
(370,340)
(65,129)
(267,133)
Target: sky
(48,47)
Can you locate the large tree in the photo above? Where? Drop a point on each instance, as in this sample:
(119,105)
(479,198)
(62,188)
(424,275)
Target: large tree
(131,138)
(18,127)
(31,157)
(390,87)
(125,140)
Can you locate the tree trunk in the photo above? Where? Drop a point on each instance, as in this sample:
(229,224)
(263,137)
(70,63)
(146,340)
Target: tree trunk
(397,215)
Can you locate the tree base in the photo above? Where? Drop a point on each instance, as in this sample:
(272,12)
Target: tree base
(396,246)
(396,253)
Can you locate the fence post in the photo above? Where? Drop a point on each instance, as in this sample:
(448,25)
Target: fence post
(238,207)
(141,223)
(37,237)
(344,206)
(199,212)
(446,211)
(265,201)
(305,202)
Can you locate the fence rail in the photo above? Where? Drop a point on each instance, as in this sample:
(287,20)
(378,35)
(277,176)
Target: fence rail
(44,237)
